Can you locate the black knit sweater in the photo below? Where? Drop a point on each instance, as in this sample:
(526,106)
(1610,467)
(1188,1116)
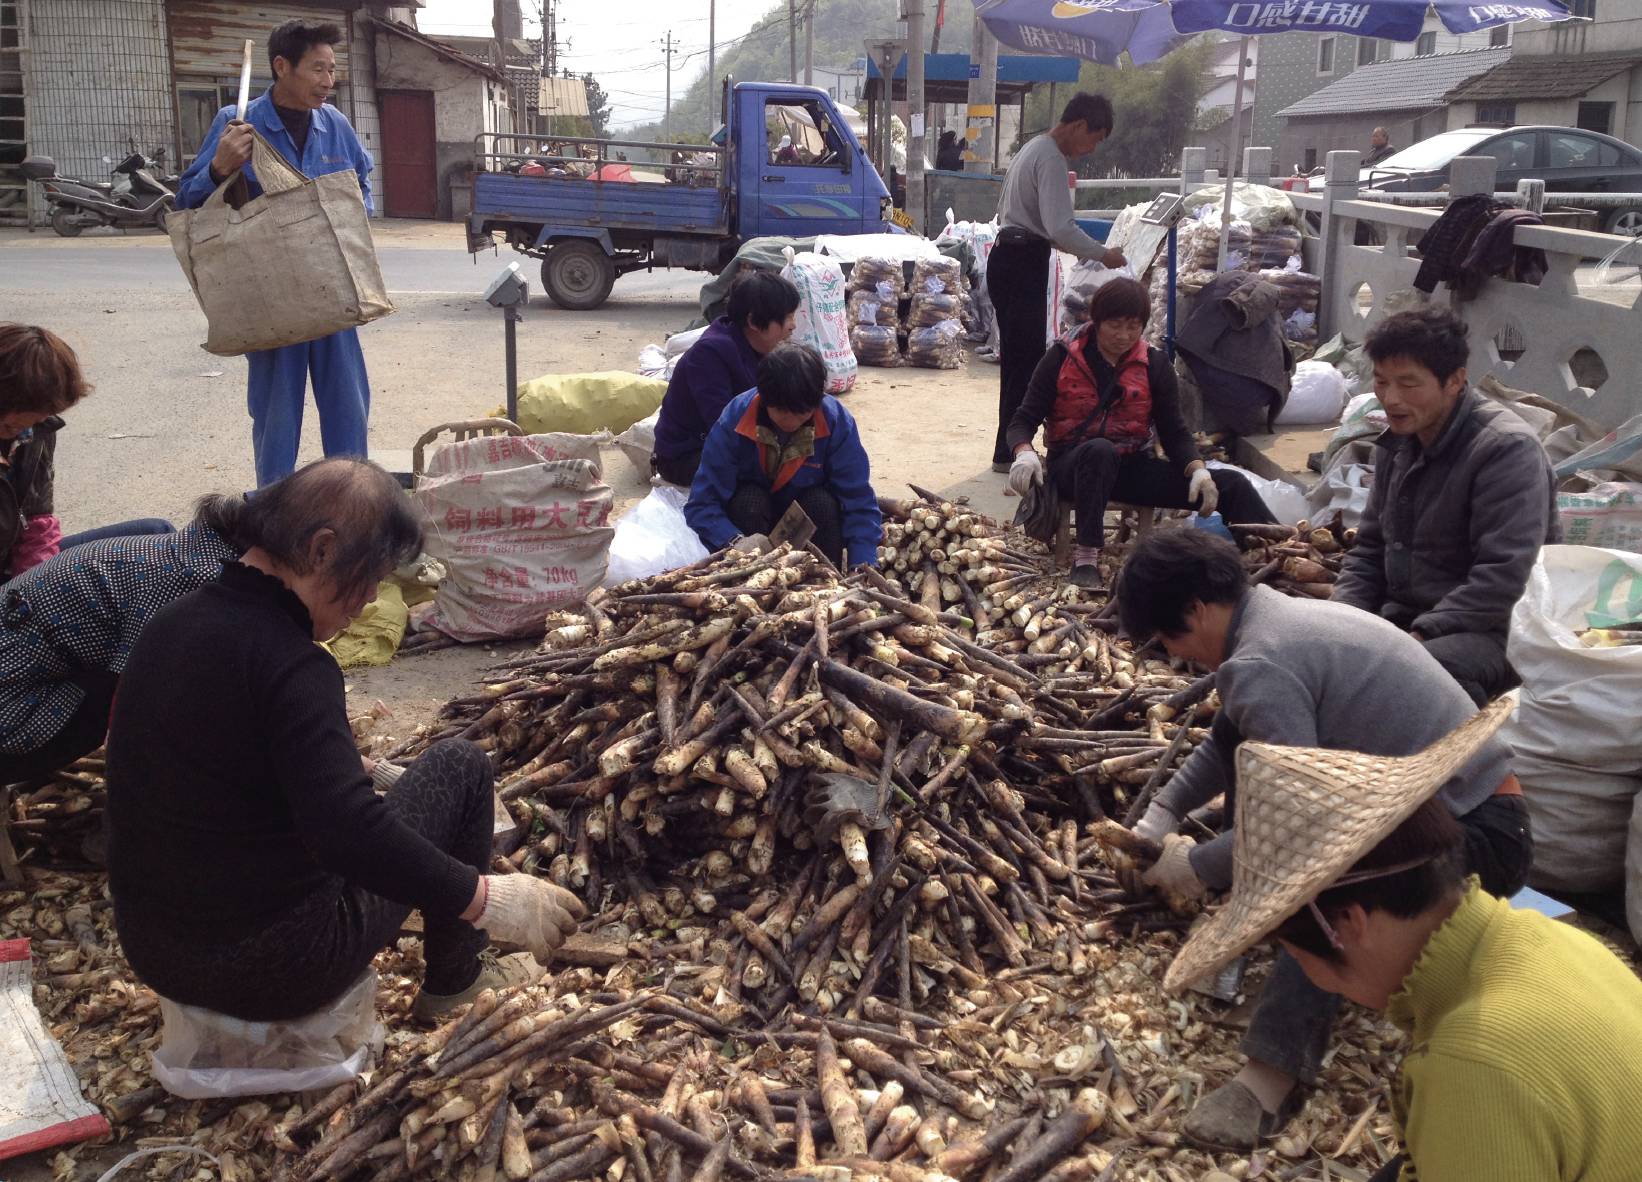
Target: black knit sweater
(235,788)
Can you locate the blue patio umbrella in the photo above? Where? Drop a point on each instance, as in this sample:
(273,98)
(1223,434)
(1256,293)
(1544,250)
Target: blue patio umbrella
(1101,30)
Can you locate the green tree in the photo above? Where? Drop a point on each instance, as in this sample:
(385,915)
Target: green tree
(598,106)
(1154,109)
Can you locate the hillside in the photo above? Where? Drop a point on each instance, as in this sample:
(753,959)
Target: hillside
(841,29)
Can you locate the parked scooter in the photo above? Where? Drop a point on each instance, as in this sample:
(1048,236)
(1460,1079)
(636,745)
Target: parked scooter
(134,196)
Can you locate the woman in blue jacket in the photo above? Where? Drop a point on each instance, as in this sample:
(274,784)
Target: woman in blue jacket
(783,442)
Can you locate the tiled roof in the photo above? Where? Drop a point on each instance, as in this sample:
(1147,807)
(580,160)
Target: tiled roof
(1401,84)
(1546,76)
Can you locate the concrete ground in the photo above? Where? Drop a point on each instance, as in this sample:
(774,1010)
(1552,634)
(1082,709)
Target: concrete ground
(166,422)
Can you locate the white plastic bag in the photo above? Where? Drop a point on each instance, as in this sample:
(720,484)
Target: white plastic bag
(1578,703)
(821,322)
(653,363)
(1287,502)
(522,526)
(653,537)
(205,1055)
(1342,490)
(1316,395)
(638,442)
(1060,273)
(679,343)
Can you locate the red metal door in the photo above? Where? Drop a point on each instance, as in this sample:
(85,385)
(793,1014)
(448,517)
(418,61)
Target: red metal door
(410,171)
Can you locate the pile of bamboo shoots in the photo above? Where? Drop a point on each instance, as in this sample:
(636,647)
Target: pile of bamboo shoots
(1300,559)
(56,816)
(567,1080)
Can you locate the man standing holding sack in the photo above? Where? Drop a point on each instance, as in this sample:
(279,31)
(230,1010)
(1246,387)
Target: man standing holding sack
(1034,219)
(316,138)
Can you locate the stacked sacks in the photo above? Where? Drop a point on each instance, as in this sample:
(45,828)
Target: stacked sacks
(875,290)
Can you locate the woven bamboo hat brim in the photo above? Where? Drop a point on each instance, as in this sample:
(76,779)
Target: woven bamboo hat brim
(1305,816)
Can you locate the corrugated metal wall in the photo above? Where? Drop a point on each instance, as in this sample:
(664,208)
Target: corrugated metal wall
(208,36)
(98,78)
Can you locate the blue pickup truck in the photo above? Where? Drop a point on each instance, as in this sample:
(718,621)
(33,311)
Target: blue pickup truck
(785,163)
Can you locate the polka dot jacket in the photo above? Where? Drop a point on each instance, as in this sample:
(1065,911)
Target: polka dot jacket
(83,610)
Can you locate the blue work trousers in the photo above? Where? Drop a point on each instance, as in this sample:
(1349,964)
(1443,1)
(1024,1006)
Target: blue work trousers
(278,389)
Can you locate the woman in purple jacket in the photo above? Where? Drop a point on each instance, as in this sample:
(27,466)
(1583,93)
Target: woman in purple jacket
(720,365)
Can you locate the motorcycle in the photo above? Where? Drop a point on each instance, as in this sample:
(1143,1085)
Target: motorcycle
(133,196)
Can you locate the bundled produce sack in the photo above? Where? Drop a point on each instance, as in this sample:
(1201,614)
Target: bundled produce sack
(522,524)
(1576,642)
(979,319)
(882,275)
(871,307)
(1298,294)
(1275,247)
(821,322)
(937,276)
(929,310)
(876,345)
(937,347)
(292,265)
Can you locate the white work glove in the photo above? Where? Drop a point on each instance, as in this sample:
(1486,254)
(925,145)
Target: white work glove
(1173,875)
(1156,823)
(752,543)
(1025,471)
(1203,493)
(528,912)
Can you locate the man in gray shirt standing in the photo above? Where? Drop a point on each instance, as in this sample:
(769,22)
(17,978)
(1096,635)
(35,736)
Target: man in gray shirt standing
(1035,218)
(1302,673)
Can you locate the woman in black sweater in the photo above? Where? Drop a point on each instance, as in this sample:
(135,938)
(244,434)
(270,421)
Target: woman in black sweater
(254,870)
(1104,397)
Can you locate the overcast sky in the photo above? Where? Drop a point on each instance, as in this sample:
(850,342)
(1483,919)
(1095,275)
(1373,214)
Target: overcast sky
(623,47)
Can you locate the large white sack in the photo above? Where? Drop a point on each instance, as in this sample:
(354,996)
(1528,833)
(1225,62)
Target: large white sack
(822,322)
(1579,819)
(1579,705)
(1317,394)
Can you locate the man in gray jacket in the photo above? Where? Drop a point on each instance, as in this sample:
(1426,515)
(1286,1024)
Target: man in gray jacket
(1035,218)
(1461,501)
(1304,673)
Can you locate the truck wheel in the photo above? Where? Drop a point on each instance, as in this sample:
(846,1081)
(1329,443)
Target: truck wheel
(1625,221)
(578,275)
(63,221)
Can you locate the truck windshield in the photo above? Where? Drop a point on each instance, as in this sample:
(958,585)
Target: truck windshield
(800,134)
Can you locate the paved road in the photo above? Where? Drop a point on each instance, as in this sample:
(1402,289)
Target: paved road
(42,261)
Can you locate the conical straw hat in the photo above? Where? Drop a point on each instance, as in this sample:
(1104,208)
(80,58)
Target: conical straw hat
(1305,816)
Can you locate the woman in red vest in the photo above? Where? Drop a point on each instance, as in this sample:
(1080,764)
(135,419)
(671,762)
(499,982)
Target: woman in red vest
(1103,397)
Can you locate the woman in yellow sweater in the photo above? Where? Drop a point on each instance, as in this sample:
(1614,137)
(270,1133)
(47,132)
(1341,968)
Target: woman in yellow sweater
(1525,1059)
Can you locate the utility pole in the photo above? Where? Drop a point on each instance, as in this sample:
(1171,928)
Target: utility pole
(983,101)
(712,69)
(792,40)
(915,113)
(809,43)
(668,44)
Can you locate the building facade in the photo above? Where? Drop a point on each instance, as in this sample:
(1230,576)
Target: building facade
(1294,66)
(85,80)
